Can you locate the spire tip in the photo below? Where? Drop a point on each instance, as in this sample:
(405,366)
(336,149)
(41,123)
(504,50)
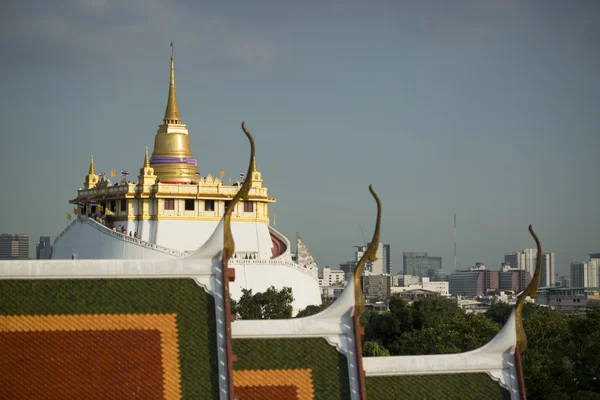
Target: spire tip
(172,112)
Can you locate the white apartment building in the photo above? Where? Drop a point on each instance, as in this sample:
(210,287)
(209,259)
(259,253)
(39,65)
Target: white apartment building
(569,299)
(332,277)
(443,288)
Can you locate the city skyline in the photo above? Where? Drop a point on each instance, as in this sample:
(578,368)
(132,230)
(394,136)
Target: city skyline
(483,109)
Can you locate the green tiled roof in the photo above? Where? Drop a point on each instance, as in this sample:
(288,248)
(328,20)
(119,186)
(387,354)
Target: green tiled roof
(194,309)
(329,368)
(475,386)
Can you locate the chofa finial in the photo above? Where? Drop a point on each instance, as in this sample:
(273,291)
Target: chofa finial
(229,244)
(359,303)
(531,291)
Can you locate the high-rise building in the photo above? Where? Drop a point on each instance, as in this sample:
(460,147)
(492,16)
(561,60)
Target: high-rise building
(376,287)
(524,260)
(387,259)
(584,273)
(420,264)
(14,246)
(383,264)
(377,267)
(562,281)
(43,250)
(473,282)
(548,269)
(514,279)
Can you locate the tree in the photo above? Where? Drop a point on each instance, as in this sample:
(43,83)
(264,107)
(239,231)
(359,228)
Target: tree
(428,326)
(373,349)
(313,309)
(270,304)
(499,312)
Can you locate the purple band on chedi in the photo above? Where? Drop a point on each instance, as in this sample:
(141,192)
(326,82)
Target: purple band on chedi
(173,160)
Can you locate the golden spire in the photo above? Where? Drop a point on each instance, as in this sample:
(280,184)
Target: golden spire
(92,171)
(253,169)
(172,158)
(172,111)
(146,160)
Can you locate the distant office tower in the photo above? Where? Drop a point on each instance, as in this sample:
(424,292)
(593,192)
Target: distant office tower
(513,278)
(584,274)
(377,267)
(387,259)
(474,282)
(524,259)
(348,268)
(376,287)
(360,250)
(563,281)
(43,250)
(595,256)
(548,269)
(14,246)
(383,264)
(420,264)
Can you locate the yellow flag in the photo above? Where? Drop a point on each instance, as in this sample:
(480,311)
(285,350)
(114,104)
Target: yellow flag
(229,181)
(99,208)
(274,219)
(113,174)
(68,217)
(75,211)
(222,174)
(108,212)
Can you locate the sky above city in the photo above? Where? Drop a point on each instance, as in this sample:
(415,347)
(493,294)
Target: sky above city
(486,108)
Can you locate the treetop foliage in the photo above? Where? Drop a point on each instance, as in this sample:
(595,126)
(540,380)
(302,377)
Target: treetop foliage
(270,304)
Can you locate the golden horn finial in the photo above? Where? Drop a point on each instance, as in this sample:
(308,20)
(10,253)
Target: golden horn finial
(92,171)
(228,243)
(172,112)
(531,291)
(146,160)
(359,303)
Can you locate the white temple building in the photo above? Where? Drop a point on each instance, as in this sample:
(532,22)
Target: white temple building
(172,208)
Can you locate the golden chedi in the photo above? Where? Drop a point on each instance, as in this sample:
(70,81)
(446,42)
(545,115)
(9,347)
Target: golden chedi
(172,159)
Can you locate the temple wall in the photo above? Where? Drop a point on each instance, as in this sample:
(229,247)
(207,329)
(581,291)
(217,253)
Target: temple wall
(189,235)
(84,241)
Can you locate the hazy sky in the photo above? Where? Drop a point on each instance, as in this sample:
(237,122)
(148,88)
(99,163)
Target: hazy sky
(486,108)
